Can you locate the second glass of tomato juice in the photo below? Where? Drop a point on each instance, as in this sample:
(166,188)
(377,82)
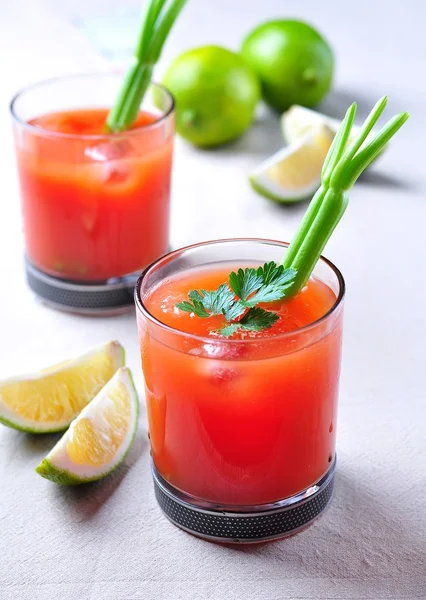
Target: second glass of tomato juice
(242,429)
(95,204)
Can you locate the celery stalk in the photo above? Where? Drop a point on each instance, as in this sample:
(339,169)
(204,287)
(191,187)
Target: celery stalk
(158,19)
(342,167)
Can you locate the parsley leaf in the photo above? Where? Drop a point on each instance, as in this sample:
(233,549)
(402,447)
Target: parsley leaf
(196,307)
(229,329)
(265,294)
(277,275)
(257,319)
(246,289)
(234,311)
(273,281)
(206,303)
(267,272)
(215,302)
(245,282)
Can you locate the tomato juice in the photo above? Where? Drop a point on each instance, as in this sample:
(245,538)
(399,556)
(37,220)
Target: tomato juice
(95,205)
(247,420)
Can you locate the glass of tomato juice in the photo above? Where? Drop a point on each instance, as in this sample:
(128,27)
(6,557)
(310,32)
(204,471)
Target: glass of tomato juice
(95,204)
(242,429)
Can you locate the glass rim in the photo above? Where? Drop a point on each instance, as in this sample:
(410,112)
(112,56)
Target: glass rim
(140,306)
(57,134)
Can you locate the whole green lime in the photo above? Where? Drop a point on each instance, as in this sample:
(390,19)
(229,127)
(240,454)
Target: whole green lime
(293,62)
(216,94)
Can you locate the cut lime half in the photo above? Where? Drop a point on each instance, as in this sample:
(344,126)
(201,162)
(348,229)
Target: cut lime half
(50,399)
(294,173)
(99,438)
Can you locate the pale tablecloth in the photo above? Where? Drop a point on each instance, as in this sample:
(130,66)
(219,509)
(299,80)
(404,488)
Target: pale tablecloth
(109,541)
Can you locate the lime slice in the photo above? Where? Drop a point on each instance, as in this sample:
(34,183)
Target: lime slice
(293,174)
(299,121)
(99,438)
(49,400)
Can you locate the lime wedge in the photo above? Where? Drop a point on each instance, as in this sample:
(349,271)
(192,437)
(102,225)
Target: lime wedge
(49,400)
(99,438)
(299,121)
(293,174)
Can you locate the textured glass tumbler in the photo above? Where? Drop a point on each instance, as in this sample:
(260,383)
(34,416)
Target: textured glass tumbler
(242,431)
(95,206)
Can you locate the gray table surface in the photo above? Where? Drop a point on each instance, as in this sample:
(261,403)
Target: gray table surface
(109,540)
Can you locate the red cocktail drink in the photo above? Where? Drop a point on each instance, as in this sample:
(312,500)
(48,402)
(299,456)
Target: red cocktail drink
(248,421)
(95,205)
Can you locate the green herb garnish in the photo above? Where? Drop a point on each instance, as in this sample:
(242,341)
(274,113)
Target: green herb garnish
(157,22)
(237,300)
(342,167)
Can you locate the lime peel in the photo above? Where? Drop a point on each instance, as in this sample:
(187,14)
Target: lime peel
(59,468)
(30,392)
(293,174)
(293,61)
(216,95)
(298,121)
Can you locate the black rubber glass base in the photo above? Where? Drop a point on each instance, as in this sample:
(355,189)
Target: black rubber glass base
(245,524)
(110,297)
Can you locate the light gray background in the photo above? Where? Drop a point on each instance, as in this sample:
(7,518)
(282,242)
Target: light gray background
(109,540)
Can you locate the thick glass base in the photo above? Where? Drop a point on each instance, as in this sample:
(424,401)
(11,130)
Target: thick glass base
(111,297)
(245,524)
